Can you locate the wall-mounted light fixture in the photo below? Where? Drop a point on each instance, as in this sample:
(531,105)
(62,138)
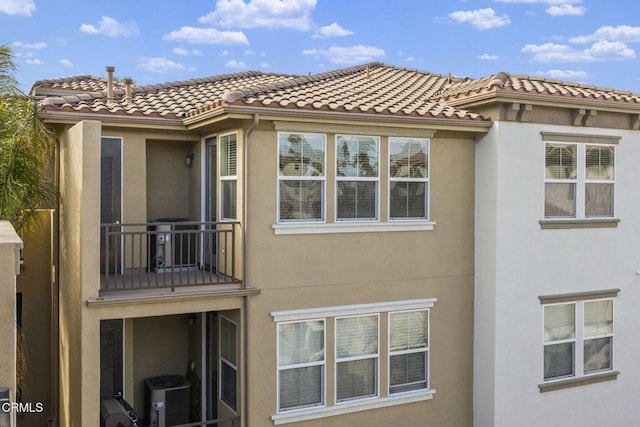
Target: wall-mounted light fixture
(188,159)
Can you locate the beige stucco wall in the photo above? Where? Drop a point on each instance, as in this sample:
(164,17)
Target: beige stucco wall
(325,270)
(10,245)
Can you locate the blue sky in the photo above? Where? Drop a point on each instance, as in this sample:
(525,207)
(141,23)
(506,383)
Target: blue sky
(153,41)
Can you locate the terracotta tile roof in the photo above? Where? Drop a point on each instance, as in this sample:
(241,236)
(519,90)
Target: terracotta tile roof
(81,83)
(462,90)
(371,89)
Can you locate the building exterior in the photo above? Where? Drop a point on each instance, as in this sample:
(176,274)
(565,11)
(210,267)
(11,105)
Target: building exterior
(369,246)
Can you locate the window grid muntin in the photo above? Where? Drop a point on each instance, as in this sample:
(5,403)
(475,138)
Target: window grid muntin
(410,179)
(283,178)
(293,366)
(578,341)
(358,178)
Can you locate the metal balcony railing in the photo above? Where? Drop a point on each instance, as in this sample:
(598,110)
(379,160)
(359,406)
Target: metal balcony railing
(167,255)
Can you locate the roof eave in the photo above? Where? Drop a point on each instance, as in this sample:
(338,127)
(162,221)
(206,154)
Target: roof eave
(67,117)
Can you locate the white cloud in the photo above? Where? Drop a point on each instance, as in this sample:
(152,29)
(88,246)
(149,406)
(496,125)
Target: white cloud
(34,61)
(550,2)
(206,36)
(576,76)
(158,65)
(66,63)
(17,7)
(235,64)
(622,33)
(36,46)
(481,19)
(292,14)
(599,51)
(333,30)
(111,28)
(264,65)
(181,51)
(487,57)
(566,10)
(347,55)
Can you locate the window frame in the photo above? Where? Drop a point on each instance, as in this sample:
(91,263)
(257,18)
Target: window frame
(322,363)
(357,179)
(581,144)
(322,178)
(410,387)
(425,180)
(230,364)
(579,375)
(229,178)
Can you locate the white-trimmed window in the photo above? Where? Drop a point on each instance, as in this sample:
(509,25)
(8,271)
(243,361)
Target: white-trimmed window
(408,350)
(228,363)
(356,357)
(578,338)
(408,178)
(579,180)
(301,176)
(301,364)
(229,175)
(357,177)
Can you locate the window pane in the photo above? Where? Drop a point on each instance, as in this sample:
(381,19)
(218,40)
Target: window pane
(356,336)
(560,161)
(408,158)
(301,200)
(597,354)
(228,385)
(228,340)
(559,200)
(407,372)
(558,360)
(357,199)
(356,378)
(230,199)
(301,387)
(408,330)
(229,155)
(598,318)
(598,199)
(301,342)
(559,322)
(301,154)
(599,162)
(408,199)
(357,156)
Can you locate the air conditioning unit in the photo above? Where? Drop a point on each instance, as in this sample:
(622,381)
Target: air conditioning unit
(173,245)
(167,400)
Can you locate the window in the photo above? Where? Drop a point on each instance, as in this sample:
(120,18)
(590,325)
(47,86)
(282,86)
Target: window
(357,177)
(301,176)
(229,175)
(356,357)
(366,375)
(408,350)
(408,178)
(579,180)
(578,338)
(228,363)
(300,364)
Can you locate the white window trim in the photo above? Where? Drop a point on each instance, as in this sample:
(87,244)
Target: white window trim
(426,181)
(223,360)
(223,178)
(322,178)
(356,179)
(410,351)
(353,227)
(580,182)
(355,405)
(322,363)
(579,339)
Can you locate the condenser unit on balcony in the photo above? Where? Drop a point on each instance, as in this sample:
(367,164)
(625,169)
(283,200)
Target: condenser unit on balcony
(167,400)
(173,245)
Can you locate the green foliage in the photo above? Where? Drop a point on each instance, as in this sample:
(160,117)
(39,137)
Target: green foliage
(26,145)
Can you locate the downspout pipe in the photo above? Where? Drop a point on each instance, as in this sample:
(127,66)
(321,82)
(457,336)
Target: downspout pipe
(245,196)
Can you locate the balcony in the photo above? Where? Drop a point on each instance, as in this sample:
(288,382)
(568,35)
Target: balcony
(171,254)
